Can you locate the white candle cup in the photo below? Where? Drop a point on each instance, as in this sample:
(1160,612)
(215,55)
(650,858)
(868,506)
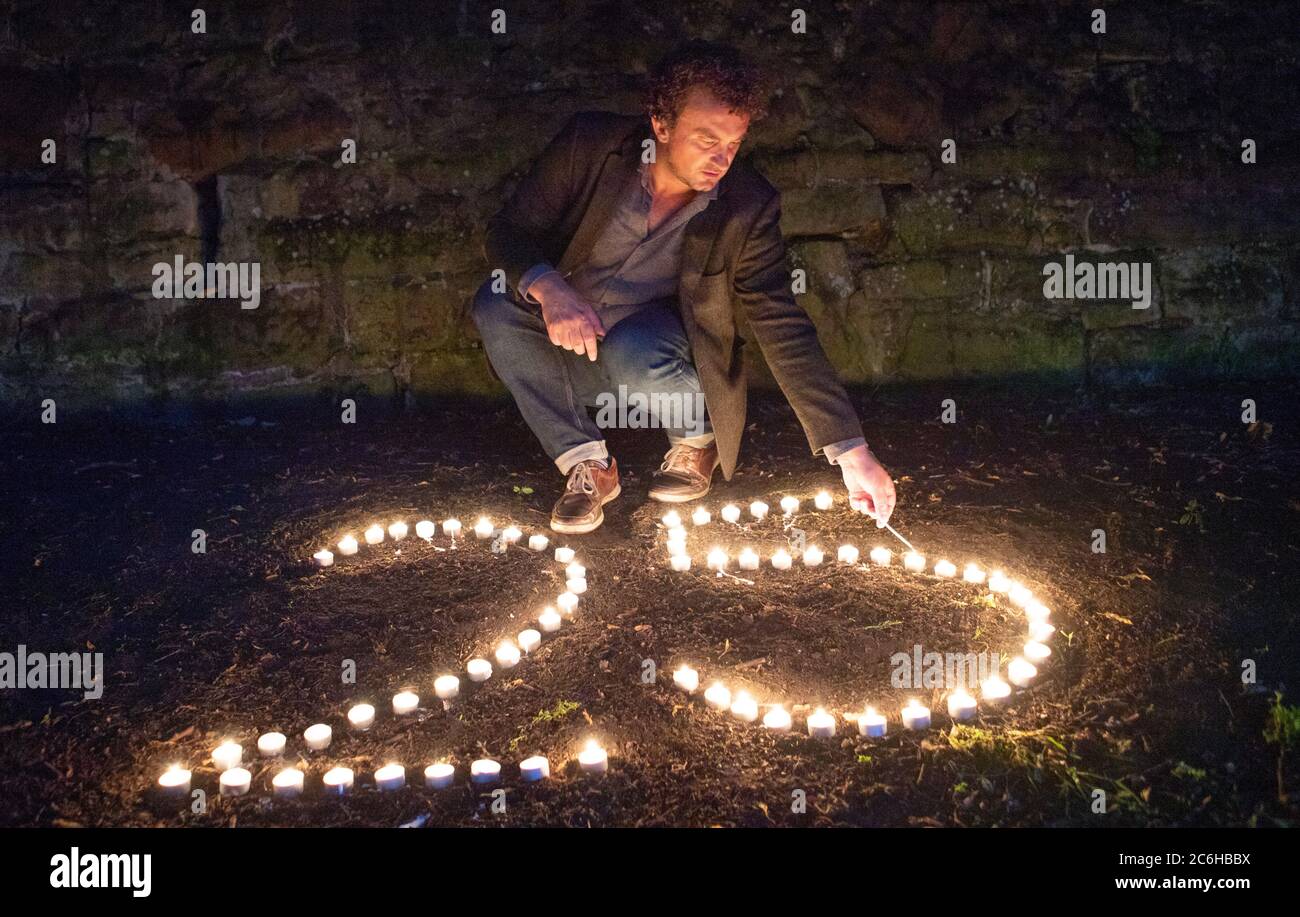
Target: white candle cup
(823,500)
(576,586)
(405,702)
(777,719)
(337,781)
(564,555)
(945,568)
(789,505)
(871,724)
(227,755)
(914,562)
(758,509)
(484,771)
(549,620)
(744,707)
(511,534)
(483,528)
(999,583)
(323,558)
(676,548)
(446,687)
(1036,652)
(730,513)
(781,559)
(397,530)
(534,769)
(881,556)
(361,717)
(847,554)
(425,529)
(271,744)
(478,670)
(701,516)
(1040,631)
(318,737)
(916,716)
(507,655)
(680,562)
(1020,671)
(529,640)
(686,679)
(390,777)
(812,556)
(961,706)
(821,725)
(451,527)
(593,759)
(717,559)
(1019,595)
(439,776)
(347,546)
(538,543)
(567,602)
(671,519)
(1037,611)
(718,697)
(235,782)
(374,534)
(175,781)
(994,690)
(287,784)
(748,559)
(972,574)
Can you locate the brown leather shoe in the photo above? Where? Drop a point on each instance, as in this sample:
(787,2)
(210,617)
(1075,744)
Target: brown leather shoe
(686,474)
(589,488)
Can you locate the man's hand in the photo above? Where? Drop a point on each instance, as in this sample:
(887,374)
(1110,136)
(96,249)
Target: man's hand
(571,321)
(871,490)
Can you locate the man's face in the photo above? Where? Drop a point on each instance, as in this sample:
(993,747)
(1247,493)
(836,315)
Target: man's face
(699,147)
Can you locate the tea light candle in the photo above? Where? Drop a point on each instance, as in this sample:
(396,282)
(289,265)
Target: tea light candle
(1037,611)
(576,586)
(478,670)
(447,687)
(534,769)
(338,781)
(538,542)
(961,706)
(789,505)
(362,716)
(671,519)
(744,707)
(323,558)
(511,534)
(287,784)
(1019,595)
(687,679)
(717,696)
(1037,652)
(701,516)
(758,509)
(881,556)
(564,555)
(507,654)
(439,776)
(1021,671)
(730,513)
(347,546)
(374,534)
(549,620)
(914,562)
(405,702)
(998,582)
(973,574)
(847,554)
(822,500)
(676,548)
(872,724)
(821,725)
(425,529)
(945,568)
(593,759)
(575,570)
(483,528)
(567,601)
(777,719)
(717,559)
(451,527)
(318,737)
(748,559)
(812,556)
(227,755)
(529,640)
(1040,631)
(390,777)
(484,770)
(916,716)
(397,530)
(235,782)
(781,559)
(994,689)
(175,781)
(271,744)
(680,562)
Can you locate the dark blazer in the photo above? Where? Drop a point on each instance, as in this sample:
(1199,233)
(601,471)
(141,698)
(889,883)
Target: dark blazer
(733,257)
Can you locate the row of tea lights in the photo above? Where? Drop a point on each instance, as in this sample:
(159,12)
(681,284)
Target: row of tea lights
(426,529)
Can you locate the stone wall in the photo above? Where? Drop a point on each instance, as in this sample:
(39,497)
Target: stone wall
(1122,146)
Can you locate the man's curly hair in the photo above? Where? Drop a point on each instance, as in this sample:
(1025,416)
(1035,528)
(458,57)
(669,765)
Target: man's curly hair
(717,67)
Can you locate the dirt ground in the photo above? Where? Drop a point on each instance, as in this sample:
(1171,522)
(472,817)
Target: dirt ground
(1143,697)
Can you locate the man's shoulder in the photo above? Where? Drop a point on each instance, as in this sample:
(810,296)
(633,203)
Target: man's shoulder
(747,185)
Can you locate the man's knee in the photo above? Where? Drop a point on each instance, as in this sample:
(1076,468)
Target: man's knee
(643,352)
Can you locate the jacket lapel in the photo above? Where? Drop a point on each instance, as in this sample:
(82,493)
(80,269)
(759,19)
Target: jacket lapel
(619,167)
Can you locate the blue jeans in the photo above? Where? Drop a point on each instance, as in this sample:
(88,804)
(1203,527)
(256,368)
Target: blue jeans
(645,355)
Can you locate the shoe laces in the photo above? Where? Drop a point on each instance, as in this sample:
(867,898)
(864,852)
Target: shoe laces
(681,459)
(581,480)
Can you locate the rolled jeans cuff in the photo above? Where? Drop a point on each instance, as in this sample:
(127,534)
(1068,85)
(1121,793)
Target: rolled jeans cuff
(584,453)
